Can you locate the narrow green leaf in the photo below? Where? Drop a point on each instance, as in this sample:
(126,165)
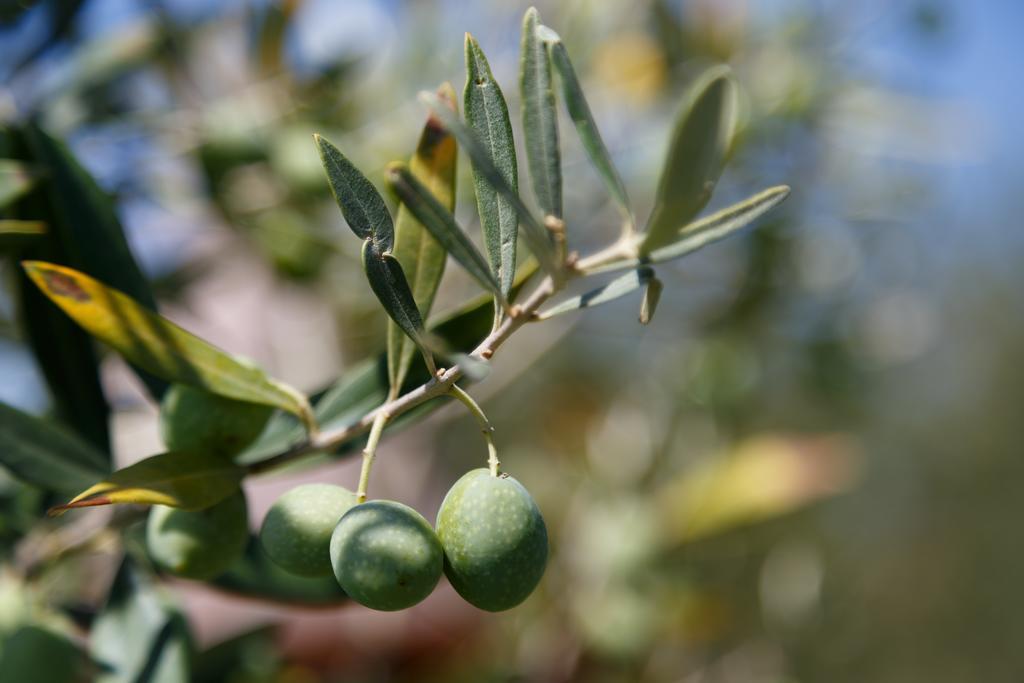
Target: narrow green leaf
(34,654)
(186,479)
(158,345)
(709,229)
(586,127)
(696,157)
(16,233)
(15,180)
(42,453)
(540,118)
(85,225)
(487,116)
(387,280)
(537,237)
(422,258)
(138,636)
(359,201)
(649,304)
(256,576)
(441,224)
(615,289)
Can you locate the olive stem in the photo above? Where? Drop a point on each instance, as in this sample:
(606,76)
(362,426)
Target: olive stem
(485,426)
(369,453)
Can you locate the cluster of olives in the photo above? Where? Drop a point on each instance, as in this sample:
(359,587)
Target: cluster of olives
(490,539)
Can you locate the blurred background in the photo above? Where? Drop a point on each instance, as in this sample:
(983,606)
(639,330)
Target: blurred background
(806,468)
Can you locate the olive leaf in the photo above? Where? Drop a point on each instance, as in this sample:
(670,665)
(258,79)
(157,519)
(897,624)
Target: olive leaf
(188,480)
(85,227)
(139,636)
(42,453)
(487,116)
(586,127)
(615,289)
(158,345)
(649,304)
(440,222)
(368,217)
(696,156)
(707,230)
(540,118)
(422,258)
(537,237)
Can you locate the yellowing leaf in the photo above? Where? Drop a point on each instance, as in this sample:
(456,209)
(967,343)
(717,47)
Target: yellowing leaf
(763,478)
(158,345)
(185,480)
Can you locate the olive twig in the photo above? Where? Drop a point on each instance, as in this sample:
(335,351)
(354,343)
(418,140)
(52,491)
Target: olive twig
(485,426)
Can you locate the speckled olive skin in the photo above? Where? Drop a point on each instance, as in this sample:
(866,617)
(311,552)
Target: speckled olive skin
(198,544)
(385,555)
(195,420)
(494,539)
(296,533)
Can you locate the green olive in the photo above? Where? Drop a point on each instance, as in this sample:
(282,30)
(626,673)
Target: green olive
(195,420)
(296,533)
(198,544)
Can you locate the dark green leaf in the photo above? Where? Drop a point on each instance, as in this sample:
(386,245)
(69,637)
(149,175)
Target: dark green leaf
(42,453)
(615,289)
(15,180)
(359,201)
(187,480)
(86,226)
(441,224)
(586,127)
(139,637)
(422,258)
(537,236)
(487,116)
(255,575)
(33,654)
(652,295)
(387,280)
(540,118)
(158,345)
(695,158)
(709,229)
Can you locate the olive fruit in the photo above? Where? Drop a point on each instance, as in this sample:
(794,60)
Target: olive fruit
(385,555)
(494,539)
(198,544)
(192,419)
(296,533)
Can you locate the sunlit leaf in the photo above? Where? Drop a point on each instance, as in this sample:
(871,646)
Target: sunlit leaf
(487,116)
(15,180)
(422,258)
(42,453)
(16,233)
(695,158)
(139,636)
(586,127)
(763,478)
(540,118)
(709,229)
(255,575)
(440,222)
(158,345)
(187,480)
(615,289)
(649,304)
(537,236)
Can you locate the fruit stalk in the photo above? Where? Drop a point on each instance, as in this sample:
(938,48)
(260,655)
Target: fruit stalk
(485,426)
(370,452)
